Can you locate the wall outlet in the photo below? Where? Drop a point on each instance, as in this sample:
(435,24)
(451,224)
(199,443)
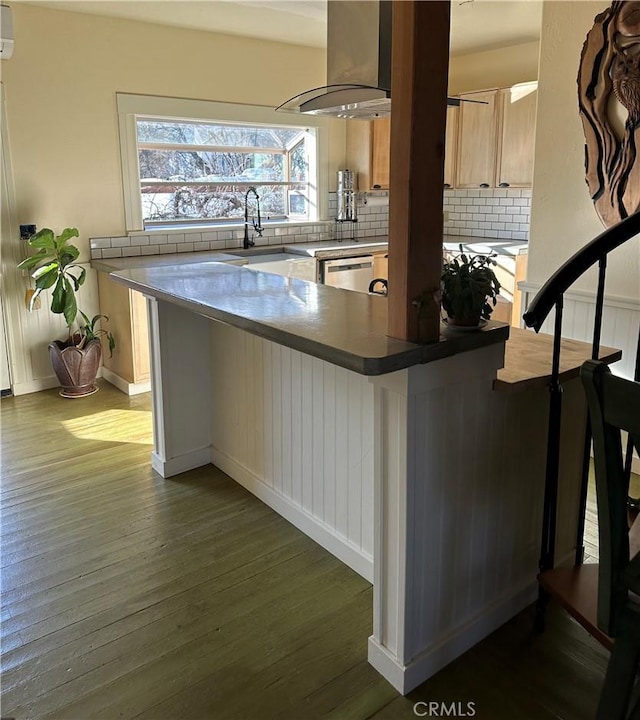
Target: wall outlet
(446,215)
(27,231)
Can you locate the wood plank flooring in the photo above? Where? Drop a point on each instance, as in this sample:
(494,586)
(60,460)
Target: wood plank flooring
(129,596)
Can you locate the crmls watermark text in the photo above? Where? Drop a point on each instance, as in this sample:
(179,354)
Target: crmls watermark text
(434,709)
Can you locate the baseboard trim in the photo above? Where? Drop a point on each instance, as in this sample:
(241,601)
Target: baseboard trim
(125,386)
(405,678)
(181,463)
(31,386)
(342,549)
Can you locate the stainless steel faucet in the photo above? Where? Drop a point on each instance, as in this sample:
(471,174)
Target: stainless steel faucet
(257,225)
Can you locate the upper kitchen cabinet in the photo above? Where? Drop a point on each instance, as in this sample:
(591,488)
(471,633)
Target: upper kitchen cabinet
(489,142)
(380,146)
(477,139)
(381,141)
(450,144)
(518,111)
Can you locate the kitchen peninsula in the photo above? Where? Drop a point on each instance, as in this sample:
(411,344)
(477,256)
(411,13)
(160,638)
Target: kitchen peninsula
(400,459)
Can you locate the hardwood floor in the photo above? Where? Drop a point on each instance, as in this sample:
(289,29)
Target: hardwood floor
(129,596)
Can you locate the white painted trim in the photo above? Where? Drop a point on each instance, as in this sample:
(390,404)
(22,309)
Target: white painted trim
(130,172)
(123,385)
(586,296)
(181,463)
(310,526)
(405,678)
(31,386)
(12,289)
(129,105)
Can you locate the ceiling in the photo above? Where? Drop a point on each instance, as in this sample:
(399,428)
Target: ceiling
(475,24)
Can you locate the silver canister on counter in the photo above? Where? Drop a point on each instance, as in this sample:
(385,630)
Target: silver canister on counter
(347,196)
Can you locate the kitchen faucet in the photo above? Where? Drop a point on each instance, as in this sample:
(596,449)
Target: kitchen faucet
(257,226)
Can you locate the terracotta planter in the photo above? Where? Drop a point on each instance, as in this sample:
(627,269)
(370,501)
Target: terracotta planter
(75,368)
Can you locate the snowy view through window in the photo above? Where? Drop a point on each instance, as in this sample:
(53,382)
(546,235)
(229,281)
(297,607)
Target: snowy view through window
(195,171)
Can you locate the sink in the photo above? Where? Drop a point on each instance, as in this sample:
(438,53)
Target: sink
(271,257)
(261,251)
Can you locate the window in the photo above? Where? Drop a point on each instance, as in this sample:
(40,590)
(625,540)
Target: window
(194,171)
(194,162)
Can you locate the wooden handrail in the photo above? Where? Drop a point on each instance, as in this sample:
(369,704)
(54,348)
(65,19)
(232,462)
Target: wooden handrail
(575,266)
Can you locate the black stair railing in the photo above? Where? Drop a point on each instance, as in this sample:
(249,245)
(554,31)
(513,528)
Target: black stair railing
(551,296)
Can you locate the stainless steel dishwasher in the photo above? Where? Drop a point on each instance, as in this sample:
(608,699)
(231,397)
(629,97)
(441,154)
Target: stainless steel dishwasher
(352,273)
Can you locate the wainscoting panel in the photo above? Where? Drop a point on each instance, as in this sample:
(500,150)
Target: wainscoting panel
(297,431)
(620,323)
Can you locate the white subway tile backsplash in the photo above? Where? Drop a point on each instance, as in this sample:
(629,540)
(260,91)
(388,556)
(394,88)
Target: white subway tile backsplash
(494,211)
(499,213)
(99,243)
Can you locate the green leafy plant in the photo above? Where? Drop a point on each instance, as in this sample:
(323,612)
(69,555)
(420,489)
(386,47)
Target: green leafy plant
(90,331)
(469,288)
(53,266)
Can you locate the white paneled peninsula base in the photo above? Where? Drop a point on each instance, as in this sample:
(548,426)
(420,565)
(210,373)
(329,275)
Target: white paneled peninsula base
(399,459)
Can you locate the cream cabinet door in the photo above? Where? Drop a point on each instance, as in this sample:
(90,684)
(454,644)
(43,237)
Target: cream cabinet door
(450,145)
(380,150)
(477,140)
(515,167)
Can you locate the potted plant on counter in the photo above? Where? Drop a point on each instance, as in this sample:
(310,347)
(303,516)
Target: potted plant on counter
(469,289)
(75,360)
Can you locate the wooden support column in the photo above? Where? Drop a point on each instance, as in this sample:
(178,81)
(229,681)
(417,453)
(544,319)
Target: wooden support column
(419,78)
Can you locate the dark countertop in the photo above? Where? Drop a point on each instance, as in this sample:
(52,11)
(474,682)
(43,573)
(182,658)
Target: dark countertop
(343,327)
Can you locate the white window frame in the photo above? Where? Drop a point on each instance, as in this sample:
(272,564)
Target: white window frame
(130,106)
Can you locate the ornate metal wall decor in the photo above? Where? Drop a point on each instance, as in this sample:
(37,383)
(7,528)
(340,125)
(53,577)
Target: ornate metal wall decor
(610,71)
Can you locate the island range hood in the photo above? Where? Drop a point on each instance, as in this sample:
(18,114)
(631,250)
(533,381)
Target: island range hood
(358,64)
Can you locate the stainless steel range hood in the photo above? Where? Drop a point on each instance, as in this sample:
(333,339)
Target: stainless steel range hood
(358,64)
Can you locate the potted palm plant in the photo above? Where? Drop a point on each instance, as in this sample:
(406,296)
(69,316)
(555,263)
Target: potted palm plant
(469,289)
(75,360)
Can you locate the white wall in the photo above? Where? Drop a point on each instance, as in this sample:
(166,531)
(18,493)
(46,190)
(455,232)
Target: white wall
(501,67)
(563,218)
(60,87)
